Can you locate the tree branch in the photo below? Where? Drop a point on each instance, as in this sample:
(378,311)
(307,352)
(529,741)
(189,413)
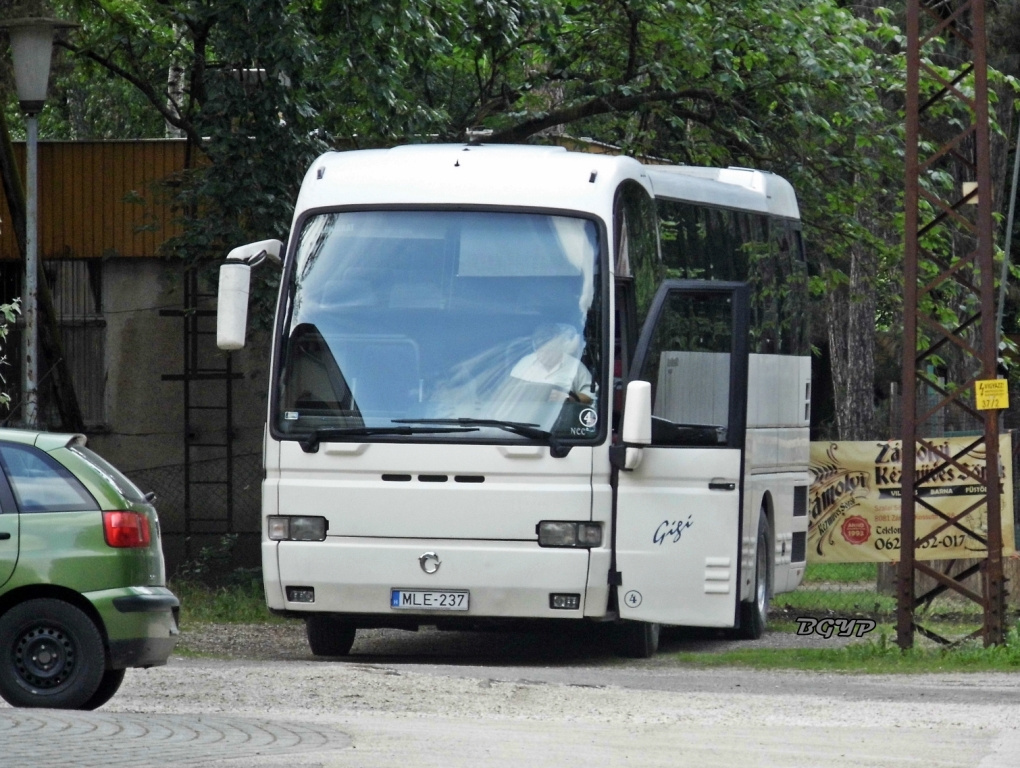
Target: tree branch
(157,100)
(603,105)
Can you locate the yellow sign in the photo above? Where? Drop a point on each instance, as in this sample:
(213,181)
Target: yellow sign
(854,500)
(991,394)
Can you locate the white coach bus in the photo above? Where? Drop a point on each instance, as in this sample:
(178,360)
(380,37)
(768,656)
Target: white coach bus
(495,398)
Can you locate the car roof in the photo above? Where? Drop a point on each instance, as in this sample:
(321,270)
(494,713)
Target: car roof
(47,441)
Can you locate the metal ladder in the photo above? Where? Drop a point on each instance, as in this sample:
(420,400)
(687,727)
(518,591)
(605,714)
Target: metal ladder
(207,380)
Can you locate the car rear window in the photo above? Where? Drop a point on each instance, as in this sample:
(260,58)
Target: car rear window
(127,489)
(40,484)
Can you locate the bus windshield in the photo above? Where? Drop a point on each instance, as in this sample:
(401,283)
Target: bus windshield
(395,319)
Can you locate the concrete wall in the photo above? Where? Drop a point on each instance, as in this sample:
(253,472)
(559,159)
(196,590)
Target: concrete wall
(144,433)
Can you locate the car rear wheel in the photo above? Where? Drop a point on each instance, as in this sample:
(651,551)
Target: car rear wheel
(329,636)
(51,655)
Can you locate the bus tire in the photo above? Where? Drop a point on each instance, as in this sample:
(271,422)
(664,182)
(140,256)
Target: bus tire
(329,636)
(754,615)
(636,639)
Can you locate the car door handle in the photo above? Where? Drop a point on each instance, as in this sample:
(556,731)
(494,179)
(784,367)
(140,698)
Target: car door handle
(4,536)
(721,485)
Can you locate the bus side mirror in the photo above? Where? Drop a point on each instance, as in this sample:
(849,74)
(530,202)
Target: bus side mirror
(637,414)
(235,284)
(232,305)
(637,422)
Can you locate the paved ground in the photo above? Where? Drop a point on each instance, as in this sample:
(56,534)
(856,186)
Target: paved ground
(45,738)
(468,700)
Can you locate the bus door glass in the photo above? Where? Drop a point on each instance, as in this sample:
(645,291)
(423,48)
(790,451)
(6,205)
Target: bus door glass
(678,512)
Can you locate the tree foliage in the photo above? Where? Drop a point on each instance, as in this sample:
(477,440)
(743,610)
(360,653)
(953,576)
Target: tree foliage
(226,76)
(8,315)
(767,83)
(811,89)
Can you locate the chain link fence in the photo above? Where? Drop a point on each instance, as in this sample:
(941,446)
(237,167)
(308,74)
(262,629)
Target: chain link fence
(868,590)
(217,522)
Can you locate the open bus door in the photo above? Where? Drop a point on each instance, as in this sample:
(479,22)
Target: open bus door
(678,510)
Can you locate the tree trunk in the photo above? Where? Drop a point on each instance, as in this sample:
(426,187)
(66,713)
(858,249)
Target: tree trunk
(175,94)
(851,317)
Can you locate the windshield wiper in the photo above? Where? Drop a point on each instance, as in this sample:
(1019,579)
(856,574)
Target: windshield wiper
(524,429)
(310,443)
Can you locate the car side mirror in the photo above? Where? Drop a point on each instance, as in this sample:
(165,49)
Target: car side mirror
(235,284)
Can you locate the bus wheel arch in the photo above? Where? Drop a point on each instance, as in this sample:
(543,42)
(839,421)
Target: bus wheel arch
(754,613)
(636,639)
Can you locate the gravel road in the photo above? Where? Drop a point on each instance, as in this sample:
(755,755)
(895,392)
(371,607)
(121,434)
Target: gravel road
(287,641)
(466,699)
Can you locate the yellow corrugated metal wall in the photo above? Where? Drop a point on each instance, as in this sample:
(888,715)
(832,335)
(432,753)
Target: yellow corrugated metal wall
(85,188)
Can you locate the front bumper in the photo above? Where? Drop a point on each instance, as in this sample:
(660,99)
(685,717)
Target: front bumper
(355,576)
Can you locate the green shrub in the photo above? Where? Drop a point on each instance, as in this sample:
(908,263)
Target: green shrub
(242,603)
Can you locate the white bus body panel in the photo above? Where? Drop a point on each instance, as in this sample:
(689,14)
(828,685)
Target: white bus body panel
(776,456)
(361,491)
(491,175)
(742,189)
(676,540)
(386,505)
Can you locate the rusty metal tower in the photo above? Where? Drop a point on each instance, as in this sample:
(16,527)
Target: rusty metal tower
(949,302)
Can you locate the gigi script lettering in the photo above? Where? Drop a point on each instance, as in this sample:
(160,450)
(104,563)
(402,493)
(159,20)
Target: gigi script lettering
(671,530)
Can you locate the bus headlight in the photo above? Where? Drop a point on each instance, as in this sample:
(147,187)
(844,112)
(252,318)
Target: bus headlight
(553,533)
(297,528)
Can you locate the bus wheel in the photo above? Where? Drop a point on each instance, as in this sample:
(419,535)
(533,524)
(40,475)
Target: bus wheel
(754,615)
(329,636)
(636,639)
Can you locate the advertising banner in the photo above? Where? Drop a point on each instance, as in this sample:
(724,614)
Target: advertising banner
(854,501)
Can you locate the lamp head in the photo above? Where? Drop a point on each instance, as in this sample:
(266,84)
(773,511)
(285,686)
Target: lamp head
(32,50)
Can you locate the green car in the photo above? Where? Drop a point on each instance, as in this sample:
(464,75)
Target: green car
(82,581)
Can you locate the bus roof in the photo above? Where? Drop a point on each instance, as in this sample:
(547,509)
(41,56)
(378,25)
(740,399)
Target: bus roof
(468,174)
(741,189)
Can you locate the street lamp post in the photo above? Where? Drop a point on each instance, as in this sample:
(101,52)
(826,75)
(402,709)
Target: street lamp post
(31,49)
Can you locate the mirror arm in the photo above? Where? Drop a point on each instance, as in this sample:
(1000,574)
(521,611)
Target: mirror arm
(624,457)
(254,254)
(618,457)
(233,289)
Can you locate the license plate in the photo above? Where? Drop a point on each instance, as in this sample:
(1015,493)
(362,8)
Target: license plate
(429,600)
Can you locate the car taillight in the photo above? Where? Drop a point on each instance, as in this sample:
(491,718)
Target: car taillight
(126,529)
